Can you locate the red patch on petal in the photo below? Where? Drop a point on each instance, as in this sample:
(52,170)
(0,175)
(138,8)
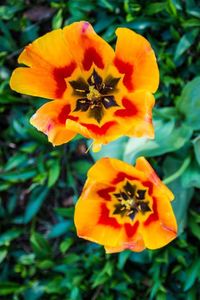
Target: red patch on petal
(99,130)
(73,118)
(62,117)
(131,229)
(92,56)
(105,219)
(59,75)
(126,69)
(149,185)
(121,176)
(105,193)
(154,216)
(129,110)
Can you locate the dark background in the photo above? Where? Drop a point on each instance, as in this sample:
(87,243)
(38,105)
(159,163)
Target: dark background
(40,254)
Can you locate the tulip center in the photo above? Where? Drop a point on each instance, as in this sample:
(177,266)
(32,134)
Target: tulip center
(130,201)
(95,96)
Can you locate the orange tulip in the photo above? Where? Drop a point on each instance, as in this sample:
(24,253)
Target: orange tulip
(125,207)
(96,92)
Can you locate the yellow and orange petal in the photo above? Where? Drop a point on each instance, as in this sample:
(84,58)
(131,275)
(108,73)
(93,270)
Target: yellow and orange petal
(89,49)
(132,118)
(162,225)
(135,59)
(77,52)
(55,56)
(49,62)
(143,166)
(99,212)
(51,119)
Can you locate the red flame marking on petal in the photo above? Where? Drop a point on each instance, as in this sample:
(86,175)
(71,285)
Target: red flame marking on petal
(126,69)
(62,117)
(99,130)
(131,229)
(129,110)
(154,216)
(121,176)
(92,56)
(105,193)
(105,219)
(59,75)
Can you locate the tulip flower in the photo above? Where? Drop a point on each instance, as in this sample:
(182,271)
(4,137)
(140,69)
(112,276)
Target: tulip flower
(125,207)
(95,91)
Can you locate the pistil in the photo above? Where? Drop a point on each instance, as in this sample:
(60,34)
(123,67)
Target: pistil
(93,93)
(131,201)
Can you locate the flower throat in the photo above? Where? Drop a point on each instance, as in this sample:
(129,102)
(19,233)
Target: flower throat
(95,95)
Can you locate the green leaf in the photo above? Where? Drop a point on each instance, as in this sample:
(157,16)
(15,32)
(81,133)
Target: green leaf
(191,176)
(57,20)
(114,149)
(3,254)
(54,172)
(192,8)
(141,257)
(196,145)
(8,236)
(193,22)
(65,245)
(18,176)
(59,229)
(175,137)
(46,264)
(102,277)
(8,99)
(27,259)
(154,8)
(192,274)
(8,288)
(81,167)
(185,43)
(40,245)
(182,195)
(8,11)
(65,212)
(74,293)
(122,258)
(142,23)
(172,7)
(195,228)
(189,103)
(15,161)
(35,202)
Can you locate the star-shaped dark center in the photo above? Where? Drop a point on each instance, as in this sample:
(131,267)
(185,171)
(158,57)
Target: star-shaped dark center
(131,201)
(95,94)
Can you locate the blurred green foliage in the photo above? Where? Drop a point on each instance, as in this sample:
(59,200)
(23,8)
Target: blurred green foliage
(40,255)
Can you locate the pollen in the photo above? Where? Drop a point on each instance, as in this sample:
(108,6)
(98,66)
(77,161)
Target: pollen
(131,200)
(128,204)
(93,93)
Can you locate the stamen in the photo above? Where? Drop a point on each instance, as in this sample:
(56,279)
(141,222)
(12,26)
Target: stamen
(81,91)
(96,95)
(92,79)
(130,201)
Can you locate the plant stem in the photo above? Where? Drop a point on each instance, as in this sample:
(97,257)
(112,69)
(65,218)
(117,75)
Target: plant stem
(179,172)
